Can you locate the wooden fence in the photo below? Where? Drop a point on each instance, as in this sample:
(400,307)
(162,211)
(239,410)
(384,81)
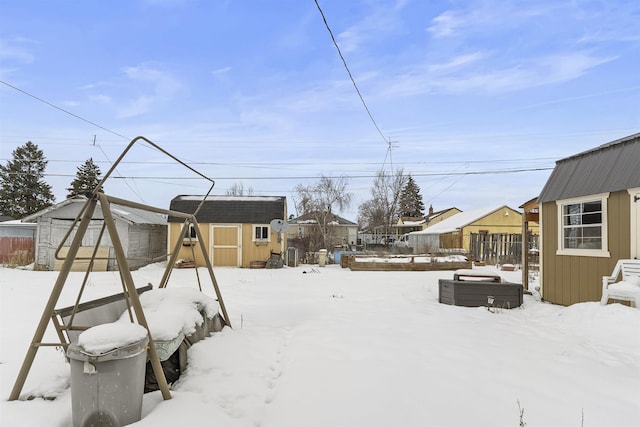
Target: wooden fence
(500,248)
(16,250)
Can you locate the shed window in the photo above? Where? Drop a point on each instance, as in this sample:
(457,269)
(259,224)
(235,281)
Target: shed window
(190,235)
(583,226)
(261,233)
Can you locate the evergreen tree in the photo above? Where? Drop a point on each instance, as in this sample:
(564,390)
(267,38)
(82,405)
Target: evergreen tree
(23,190)
(411,204)
(87,178)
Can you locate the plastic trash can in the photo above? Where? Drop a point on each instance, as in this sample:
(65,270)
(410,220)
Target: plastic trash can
(292,257)
(107,388)
(322,257)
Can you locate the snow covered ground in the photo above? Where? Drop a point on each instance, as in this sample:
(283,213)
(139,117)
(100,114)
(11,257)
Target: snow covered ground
(327,346)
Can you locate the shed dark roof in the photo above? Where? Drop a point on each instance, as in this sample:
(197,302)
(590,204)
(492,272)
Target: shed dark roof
(231,209)
(613,166)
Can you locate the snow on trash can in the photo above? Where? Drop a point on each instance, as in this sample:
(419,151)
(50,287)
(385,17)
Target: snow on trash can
(322,257)
(107,374)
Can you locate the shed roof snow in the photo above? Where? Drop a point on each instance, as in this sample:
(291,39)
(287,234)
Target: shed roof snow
(124,213)
(610,167)
(311,219)
(459,220)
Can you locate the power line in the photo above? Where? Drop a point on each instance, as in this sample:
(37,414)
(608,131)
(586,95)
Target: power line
(63,110)
(335,43)
(258,164)
(355,176)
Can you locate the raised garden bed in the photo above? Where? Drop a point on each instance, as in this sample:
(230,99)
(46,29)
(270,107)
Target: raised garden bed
(476,294)
(407,266)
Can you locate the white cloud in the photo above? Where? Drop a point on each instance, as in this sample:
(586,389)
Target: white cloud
(479,72)
(224,70)
(379,22)
(457,62)
(156,87)
(14,51)
(445,24)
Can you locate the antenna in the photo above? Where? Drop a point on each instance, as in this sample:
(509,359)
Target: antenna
(390,146)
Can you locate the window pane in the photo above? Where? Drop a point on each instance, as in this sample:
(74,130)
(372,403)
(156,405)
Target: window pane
(582,225)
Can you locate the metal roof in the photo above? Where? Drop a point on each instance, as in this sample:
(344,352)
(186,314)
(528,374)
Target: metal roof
(231,209)
(124,213)
(310,219)
(613,166)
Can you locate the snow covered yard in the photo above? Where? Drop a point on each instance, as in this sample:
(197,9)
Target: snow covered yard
(330,347)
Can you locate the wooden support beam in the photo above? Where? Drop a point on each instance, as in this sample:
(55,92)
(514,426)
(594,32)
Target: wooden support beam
(53,299)
(123,267)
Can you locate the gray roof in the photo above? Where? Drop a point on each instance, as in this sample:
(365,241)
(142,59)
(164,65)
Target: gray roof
(69,208)
(310,219)
(231,209)
(614,166)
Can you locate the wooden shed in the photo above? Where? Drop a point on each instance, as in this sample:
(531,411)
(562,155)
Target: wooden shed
(143,235)
(456,231)
(590,218)
(236,229)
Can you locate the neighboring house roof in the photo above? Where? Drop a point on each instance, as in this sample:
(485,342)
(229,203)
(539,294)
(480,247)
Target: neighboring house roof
(5,218)
(410,222)
(308,219)
(610,167)
(459,220)
(231,209)
(124,213)
(433,215)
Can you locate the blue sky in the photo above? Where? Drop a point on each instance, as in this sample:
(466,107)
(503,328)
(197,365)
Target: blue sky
(254,92)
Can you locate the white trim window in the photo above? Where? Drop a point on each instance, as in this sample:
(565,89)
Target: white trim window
(190,236)
(261,233)
(582,226)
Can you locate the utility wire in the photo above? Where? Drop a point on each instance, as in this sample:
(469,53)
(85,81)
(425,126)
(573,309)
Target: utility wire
(63,110)
(365,175)
(326,24)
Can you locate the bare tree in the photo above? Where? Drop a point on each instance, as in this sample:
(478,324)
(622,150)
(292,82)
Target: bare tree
(319,201)
(237,189)
(382,210)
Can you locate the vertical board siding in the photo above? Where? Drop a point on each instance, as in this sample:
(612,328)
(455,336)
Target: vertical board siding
(13,248)
(569,280)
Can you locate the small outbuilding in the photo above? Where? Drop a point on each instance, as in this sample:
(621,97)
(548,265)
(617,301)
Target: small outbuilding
(237,229)
(455,232)
(590,218)
(143,235)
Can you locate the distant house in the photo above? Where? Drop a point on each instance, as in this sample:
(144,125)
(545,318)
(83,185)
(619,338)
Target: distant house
(341,231)
(435,217)
(407,224)
(455,231)
(236,229)
(410,224)
(143,236)
(590,218)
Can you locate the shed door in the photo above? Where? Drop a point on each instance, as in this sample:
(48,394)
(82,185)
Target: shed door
(635,223)
(226,249)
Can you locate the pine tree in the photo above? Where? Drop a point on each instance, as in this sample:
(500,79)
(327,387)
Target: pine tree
(411,204)
(23,190)
(87,178)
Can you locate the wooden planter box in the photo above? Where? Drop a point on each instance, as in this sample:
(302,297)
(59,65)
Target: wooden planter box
(406,266)
(474,293)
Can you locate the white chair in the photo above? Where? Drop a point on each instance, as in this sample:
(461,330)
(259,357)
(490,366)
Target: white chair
(627,289)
